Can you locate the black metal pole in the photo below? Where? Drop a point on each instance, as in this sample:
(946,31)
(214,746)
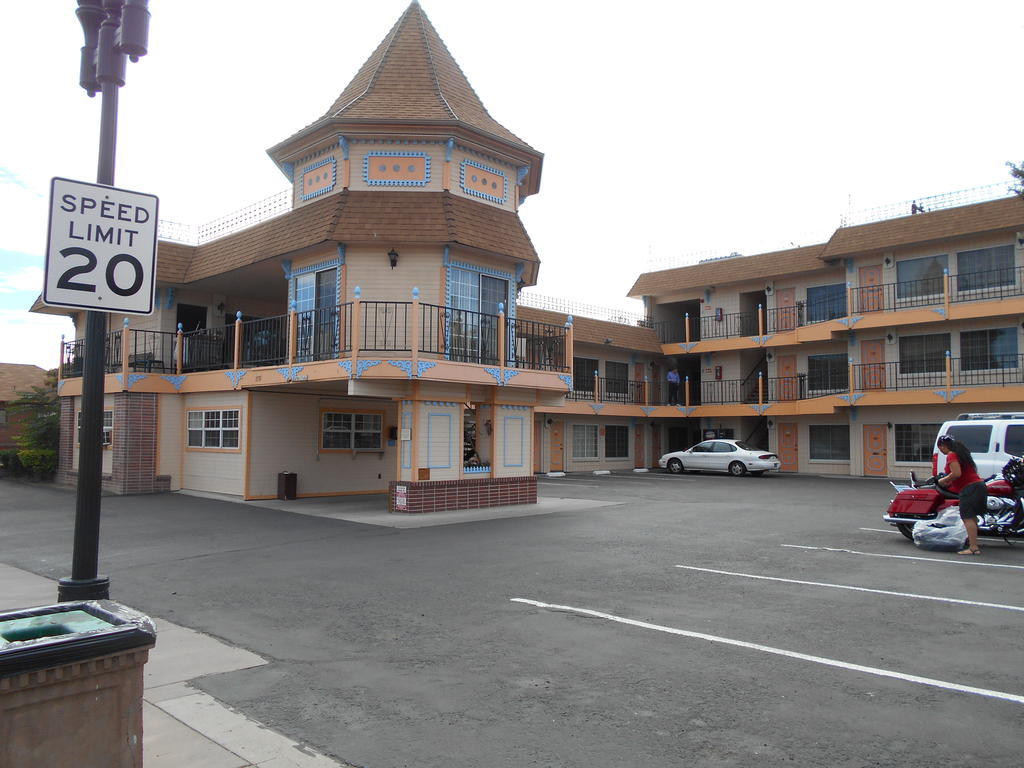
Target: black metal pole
(85,582)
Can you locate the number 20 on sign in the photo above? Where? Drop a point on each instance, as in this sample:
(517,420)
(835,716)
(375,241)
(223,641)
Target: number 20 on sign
(101,248)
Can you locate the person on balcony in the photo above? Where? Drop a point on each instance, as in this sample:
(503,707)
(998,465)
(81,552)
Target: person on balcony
(673,386)
(962,477)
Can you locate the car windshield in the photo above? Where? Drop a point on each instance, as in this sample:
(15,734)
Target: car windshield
(747,446)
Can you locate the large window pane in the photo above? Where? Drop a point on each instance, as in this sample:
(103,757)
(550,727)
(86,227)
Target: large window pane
(583,370)
(826,302)
(616,441)
(923,354)
(584,441)
(830,442)
(988,349)
(920,277)
(914,442)
(827,373)
(985,268)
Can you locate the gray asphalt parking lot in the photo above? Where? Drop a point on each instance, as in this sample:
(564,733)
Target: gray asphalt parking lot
(680,620)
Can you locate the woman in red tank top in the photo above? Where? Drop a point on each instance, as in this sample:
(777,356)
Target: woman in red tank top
(962,477)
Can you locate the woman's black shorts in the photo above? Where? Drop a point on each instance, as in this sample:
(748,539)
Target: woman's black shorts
(973,499)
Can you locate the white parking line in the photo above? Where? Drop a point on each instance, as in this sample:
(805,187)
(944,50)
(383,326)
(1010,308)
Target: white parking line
(857,589)
(966,560)
(781,652)
(882,530)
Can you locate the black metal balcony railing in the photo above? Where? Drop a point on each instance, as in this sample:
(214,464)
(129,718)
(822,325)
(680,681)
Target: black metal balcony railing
(988,285)
(326,334)
(622,391)
(930,372)
(721,326)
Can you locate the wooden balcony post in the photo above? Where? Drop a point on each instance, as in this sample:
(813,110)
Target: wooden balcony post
(945,291)
(124,355)
(414,347)
(501,334)
(949,370)
(647,391)
(179,352)
(760,389)
(293,333)
(238,339)
(849,365)
(597,386)
(686,385)
(686,324)
(760,319)
(569,341)
(60,360)
(357,325)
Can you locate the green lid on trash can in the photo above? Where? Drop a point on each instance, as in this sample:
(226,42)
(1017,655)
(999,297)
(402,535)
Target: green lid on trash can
(50,635)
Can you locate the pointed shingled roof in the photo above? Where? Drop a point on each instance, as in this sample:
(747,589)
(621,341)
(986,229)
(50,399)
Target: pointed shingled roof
(412,76)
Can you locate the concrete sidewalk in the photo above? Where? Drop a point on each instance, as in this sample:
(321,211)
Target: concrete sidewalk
(182,725)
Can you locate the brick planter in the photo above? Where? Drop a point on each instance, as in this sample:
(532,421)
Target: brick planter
(470,493)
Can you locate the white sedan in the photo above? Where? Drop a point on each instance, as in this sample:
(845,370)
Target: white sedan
(732,456)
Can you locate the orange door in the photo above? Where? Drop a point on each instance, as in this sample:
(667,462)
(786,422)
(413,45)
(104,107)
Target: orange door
(536,442)
(876,450)
(788,382)
(638,445)
(870,291)
(789,460)
(557,446)
(785,301)
(872,357)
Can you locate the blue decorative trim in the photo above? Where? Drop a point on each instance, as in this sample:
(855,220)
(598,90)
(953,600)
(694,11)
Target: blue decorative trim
(440,403)
(396,182)
(60,385)
(347,365)
(477,193)
(286,265)
(176,381)
(341,254)
(505,440)
(760,340)
(849,266)
(343,143)
(648,409)
(496,373)
(235,377)
(849,321)
(686,411)
(430,440)
(447,255)
(363,365)
(853,338)
(949,395)
(480,469)
(133,378)
(423,365)
(760,409)
(170,298)
(313,166)
(939,310)
(288,169)
(521,174)
(402,365)
(567,379)
(597,407)
(509,373)
(292,373)
(511,407)
(687,347)
(851,399)
(448,147)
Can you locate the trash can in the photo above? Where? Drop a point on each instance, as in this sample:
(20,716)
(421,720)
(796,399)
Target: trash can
(287,485)
(71,684)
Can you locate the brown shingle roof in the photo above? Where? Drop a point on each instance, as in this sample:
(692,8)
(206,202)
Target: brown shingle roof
(16,377)
(993,216)
(412,76)
(590,331)
(761,266)
(355,217)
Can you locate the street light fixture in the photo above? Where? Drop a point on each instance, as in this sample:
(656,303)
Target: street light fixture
(113,29)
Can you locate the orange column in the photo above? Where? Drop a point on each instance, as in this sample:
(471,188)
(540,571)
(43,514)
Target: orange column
(569,342)
(501,335)
(357,324)
(179,353)
(414,344)
(293,333)
(238,339)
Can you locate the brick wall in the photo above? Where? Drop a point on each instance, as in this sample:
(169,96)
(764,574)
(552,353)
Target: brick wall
(135,445)
(470,493)
(66,474)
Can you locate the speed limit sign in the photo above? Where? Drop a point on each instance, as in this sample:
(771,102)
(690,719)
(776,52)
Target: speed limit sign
(101,248)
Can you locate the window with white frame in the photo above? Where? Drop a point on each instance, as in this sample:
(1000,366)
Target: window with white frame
(108,428)
(350,431)
(988,349)
(213,429)
(985,268)
(830,442)
(914,442)
(584,441)
(920,277)
(616,441)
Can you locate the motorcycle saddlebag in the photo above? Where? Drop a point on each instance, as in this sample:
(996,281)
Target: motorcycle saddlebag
(915,502)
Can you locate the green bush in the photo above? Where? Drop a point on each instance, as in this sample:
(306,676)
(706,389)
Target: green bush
(41,462)
(9,461)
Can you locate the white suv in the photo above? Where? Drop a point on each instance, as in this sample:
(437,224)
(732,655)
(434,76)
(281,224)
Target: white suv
(992,439)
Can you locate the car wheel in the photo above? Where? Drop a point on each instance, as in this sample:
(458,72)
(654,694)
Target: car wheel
(906,529)
(675,466)
(736,469)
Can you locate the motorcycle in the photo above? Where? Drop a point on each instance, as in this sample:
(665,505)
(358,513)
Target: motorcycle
(1004,513)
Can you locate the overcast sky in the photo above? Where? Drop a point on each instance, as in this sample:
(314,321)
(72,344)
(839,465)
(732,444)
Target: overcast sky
(669,129)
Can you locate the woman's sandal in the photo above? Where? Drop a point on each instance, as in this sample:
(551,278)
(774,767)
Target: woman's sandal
(970,551)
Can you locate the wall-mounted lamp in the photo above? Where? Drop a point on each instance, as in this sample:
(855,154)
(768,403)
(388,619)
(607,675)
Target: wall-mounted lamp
(771,424)
(888,424)
(520,284)
(890,338)
(607,341)
(393,258)
(220,307)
